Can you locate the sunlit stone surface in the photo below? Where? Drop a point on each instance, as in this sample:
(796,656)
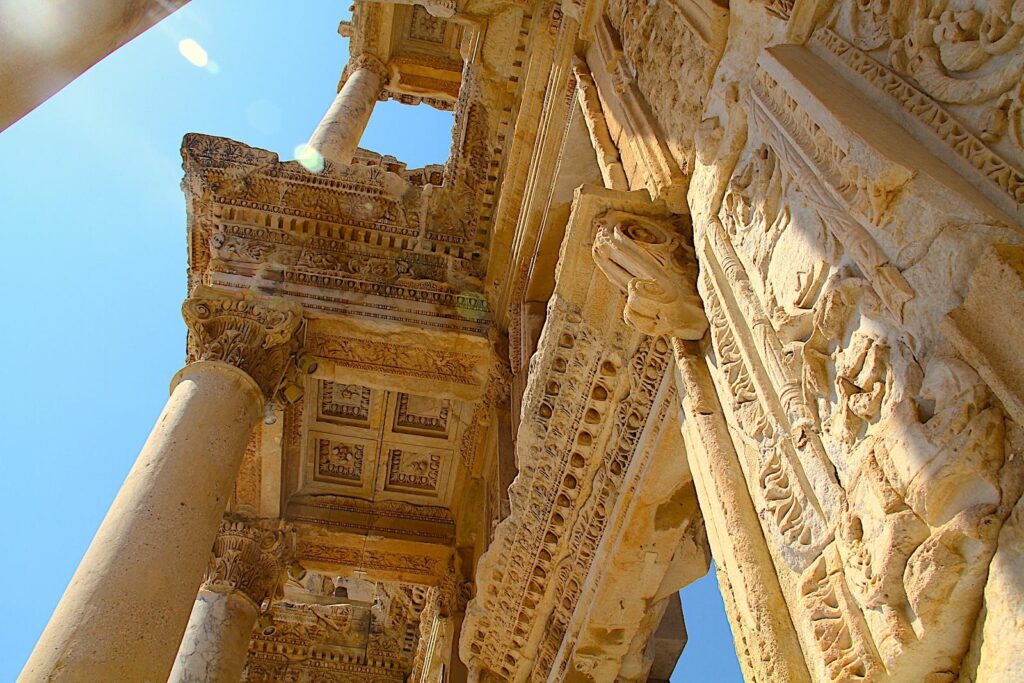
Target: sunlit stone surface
(697,282)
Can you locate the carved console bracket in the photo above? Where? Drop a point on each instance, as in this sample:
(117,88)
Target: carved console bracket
(654,265)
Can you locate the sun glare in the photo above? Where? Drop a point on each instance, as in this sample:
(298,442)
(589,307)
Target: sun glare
(309,158)
(193,52)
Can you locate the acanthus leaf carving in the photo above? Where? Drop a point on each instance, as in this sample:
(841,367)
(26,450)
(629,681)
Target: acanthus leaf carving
(249,557)
(256,335)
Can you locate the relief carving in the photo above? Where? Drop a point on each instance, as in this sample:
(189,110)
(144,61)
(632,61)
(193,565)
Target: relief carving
(249,557)
(254,335)
(956,68)
(916,442)
(655,267)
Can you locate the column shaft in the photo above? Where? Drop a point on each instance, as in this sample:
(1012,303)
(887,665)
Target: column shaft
(123,614)
(33,67)
(339,132)
(217,638)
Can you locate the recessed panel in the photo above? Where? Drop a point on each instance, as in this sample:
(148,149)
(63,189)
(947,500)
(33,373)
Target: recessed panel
(344,404)
(422,415)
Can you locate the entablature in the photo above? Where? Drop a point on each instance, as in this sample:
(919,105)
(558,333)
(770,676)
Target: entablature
(599,453)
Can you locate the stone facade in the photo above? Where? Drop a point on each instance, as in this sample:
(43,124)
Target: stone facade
(700,280)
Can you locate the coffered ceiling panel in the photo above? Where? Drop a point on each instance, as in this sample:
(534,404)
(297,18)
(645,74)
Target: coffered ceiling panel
(381,445)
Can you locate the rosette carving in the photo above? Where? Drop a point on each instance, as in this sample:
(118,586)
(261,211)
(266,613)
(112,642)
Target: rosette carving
(255,335)
(249,557)
(652,263)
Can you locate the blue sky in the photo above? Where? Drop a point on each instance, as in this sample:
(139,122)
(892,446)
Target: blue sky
(95,271)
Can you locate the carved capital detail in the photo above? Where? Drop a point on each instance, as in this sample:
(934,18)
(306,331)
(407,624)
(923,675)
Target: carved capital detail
(452,593)
(249,557)
(654,265)
(368,62)
(255,335)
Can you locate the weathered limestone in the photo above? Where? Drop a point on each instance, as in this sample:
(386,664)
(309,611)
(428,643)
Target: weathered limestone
(46,44)
(604,523)
(700,278)
(246,569)
(122,615)
(337,136)
(653,264)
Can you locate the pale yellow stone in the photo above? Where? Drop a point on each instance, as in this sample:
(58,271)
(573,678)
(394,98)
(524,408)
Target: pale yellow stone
(700,279)
(216,640)
(123,614)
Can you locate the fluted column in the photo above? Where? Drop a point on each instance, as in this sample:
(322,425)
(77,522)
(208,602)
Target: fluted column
(339,132)
(245,569)
(123,614)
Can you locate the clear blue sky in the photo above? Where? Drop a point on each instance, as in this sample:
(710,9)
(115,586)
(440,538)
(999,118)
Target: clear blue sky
(94,226)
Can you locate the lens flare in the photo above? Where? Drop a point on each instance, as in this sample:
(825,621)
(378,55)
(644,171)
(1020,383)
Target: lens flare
(193,52)
(311,159)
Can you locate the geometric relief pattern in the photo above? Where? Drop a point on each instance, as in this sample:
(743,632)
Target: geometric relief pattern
(425,27)
(380,445)
(344,403)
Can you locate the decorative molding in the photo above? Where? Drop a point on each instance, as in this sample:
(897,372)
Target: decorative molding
(1001,176)
(338,461)
(413,470)
(366,62)
(393,358)
(344,403)
(368,559)
(422,415)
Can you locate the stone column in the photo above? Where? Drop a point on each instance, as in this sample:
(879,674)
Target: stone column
(339,132)
(437,655)
(46,44)
(245,570)
(123,614)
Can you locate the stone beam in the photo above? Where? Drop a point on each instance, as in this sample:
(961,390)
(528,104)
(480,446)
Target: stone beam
(372,558)
(602,474)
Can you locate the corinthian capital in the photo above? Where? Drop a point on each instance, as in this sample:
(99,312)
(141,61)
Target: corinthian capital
(653,264)
(253,334)
(249,557)
(368,62)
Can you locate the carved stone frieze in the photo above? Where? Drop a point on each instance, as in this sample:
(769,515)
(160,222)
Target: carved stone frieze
(954,71)
(336,629)
(782,327)
(821,280)
(256,335)
(257,222)
(597,398)
(381,356)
